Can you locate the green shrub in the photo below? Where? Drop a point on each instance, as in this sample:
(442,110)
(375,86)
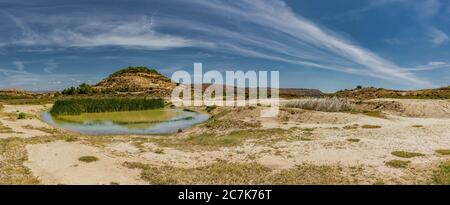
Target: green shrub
(22,115)
(88,159)
(91,105)
(404,154)
(210,108)
(131,69)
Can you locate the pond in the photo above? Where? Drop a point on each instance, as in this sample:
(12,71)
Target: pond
(158,121)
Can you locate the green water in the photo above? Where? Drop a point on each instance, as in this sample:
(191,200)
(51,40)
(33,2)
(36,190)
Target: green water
(129,122)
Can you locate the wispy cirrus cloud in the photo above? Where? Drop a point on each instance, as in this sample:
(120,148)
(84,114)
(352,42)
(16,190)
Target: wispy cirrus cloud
(424,8)
(135,34)
(35,81)
(266,29)
(433,65)
(302,42)
(438,37)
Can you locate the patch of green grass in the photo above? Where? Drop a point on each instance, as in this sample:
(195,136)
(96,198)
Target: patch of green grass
(305,139)
(71,139)
(377,114)
(441,175)
(404,154)
(225,124)
(397,163)
(353,140)
(88,159)
(443,151)
(371,126)
(77,106)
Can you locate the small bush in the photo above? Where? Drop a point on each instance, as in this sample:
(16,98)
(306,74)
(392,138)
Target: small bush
(371,126)
(353,140)
(88,159)
(22,115)
(322,104)
(210,108)
(404,154)
(397,163)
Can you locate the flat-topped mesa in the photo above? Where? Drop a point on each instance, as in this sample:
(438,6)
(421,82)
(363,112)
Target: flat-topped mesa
(137,80)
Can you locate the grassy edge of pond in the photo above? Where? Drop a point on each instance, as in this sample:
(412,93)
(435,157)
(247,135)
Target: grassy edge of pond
(91,105)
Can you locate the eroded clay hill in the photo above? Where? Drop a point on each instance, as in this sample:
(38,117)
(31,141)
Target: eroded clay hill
(138,80)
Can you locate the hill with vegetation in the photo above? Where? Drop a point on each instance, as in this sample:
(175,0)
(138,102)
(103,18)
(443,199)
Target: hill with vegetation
(130,80)
(138,80)
(371,93)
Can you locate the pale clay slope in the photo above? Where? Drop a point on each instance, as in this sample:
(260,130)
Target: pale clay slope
(57,162)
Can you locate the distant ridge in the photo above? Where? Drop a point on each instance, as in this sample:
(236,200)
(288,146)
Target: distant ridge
(371,93)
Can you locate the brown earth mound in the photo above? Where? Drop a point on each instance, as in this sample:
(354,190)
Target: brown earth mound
(137,80)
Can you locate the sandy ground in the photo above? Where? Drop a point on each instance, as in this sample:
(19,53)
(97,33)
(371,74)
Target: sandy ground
(57,162)
(24,128)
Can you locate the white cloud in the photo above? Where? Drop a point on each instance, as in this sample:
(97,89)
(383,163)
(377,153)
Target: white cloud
(19,65)
(302,42)
(424,8)
(50,66)
(433,65)
(438,37)
(266,29)
(135,34)
(35,82)
(430,7)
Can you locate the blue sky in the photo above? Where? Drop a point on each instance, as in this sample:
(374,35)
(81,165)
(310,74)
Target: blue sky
(330,45)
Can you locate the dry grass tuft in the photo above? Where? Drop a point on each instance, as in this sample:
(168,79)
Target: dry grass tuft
(226,173)
(88,159)
(442,174)
(404,154)
(397,163)
(371,126)
(443,151)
